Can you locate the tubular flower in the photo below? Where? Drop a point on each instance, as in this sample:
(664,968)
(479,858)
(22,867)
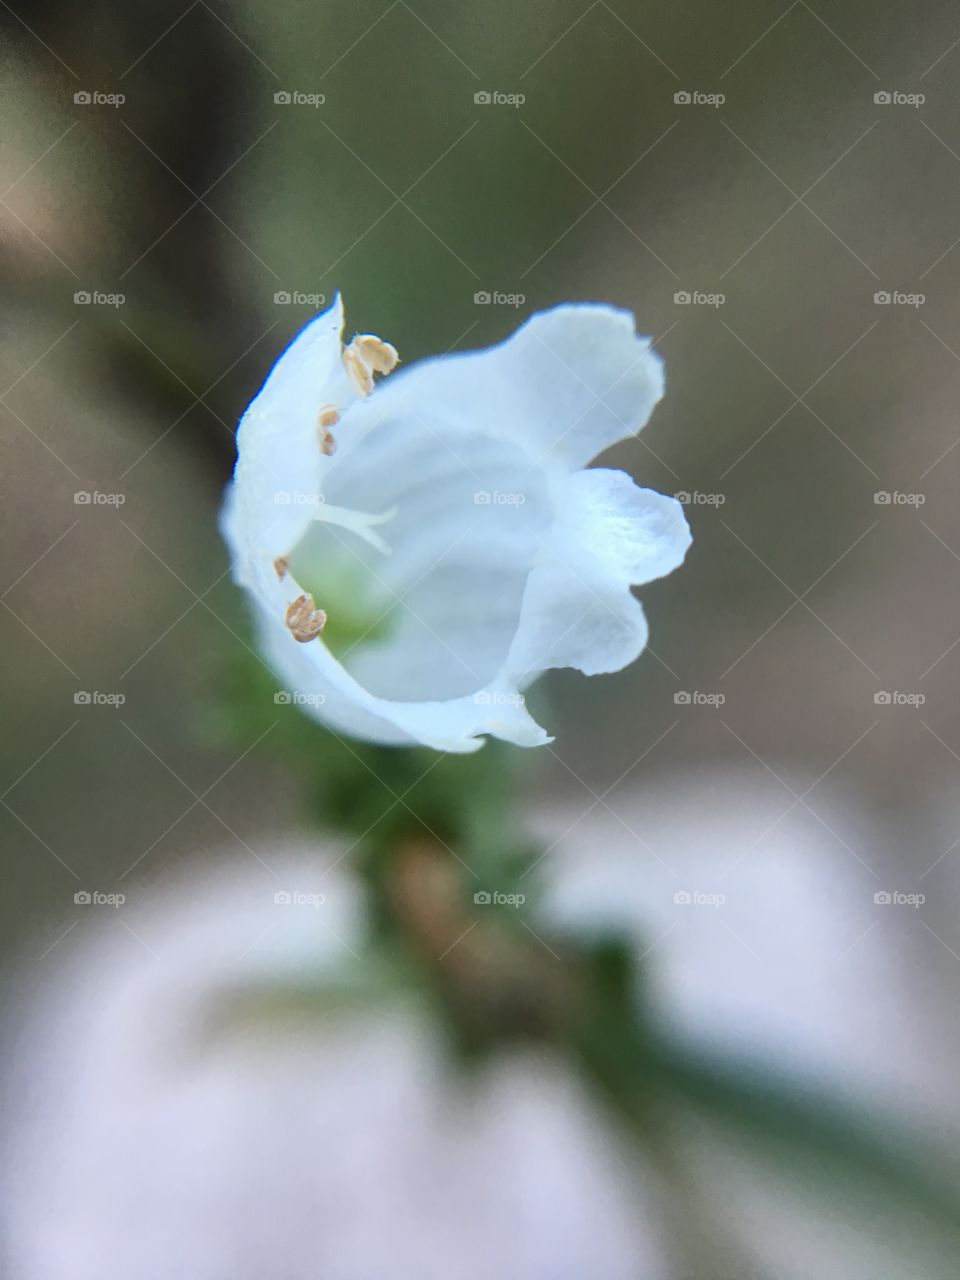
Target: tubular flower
(420,545)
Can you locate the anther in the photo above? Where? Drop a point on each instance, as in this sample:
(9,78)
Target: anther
(357,371)
(366,355)
(379,355)
(304,620)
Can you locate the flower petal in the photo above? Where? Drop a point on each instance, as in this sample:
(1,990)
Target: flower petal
(568,384)
(634,534)
(569,620)
(337,700)
(279,463)
(577,608)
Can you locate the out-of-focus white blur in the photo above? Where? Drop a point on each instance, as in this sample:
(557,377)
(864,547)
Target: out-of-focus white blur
(170,1116)
(154,1135)
(763,926)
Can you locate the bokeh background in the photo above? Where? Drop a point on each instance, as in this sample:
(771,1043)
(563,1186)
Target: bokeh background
(772,189)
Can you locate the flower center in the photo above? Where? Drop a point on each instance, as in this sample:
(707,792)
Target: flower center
(325,568)
(423,600)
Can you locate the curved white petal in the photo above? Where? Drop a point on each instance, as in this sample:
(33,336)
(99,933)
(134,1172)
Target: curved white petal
(630,533)
(568,384)
(336,699)
(572,620)
(279,462)
(577,609)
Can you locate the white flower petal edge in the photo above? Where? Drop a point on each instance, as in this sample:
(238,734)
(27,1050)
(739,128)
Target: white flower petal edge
(456,505)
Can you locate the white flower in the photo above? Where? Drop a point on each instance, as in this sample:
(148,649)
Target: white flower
(421,550)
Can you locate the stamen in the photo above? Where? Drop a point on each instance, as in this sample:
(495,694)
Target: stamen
(304,620)
(357,371)
(366,355)
(281,565)
(380,356)
(328,417)
(359,522)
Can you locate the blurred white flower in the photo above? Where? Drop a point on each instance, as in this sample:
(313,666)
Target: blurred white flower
(419,551)
(148,1134)
(759,940)
(756,917)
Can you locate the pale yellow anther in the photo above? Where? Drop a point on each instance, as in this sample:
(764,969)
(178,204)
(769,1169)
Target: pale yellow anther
(304,620)
(379,355)
(328,417)
(280,565)
(357,371)
(366,355)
